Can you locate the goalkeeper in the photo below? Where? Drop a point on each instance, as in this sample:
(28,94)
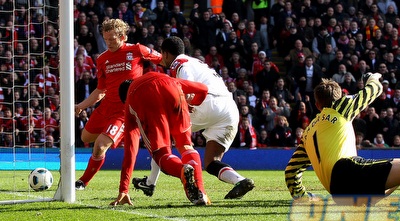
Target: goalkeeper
(328,144)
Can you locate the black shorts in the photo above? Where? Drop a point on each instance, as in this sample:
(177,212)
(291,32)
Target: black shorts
(359,176)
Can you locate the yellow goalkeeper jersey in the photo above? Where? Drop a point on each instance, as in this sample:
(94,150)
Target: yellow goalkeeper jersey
(328,138)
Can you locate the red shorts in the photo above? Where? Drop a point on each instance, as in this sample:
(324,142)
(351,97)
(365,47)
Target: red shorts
(109,123)
(163,114)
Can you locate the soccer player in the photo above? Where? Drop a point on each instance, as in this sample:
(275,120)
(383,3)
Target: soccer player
(328,144)
(120,62)
(156,108)
(218,115)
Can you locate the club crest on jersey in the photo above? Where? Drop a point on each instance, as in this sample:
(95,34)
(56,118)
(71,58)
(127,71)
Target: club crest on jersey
(176,65)
(129,56)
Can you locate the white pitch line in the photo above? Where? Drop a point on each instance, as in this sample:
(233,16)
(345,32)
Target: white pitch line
(109,208)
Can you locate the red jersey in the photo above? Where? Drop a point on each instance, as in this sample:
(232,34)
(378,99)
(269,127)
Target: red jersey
(156,109)
(126,63)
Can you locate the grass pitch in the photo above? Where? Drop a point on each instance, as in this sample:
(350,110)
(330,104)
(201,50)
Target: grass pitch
(269,200)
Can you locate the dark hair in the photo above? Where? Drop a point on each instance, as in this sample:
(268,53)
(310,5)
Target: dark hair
(123,89)
(173,45)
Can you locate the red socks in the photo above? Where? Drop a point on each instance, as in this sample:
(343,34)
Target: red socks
(92,168)
(192,157)
(170,164)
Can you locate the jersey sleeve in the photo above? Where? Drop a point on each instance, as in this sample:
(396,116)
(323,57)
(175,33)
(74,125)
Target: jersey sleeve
(150,54)
(131,147)
(350,106)
(179,71)
(198,89)
(297,164)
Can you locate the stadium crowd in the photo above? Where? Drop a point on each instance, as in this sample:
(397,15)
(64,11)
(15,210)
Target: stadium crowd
(270,54)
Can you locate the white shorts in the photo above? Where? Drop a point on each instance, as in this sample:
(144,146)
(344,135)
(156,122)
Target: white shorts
(219,117)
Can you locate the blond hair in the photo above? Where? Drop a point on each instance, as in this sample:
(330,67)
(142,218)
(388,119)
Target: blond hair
(327,92)
(120,27)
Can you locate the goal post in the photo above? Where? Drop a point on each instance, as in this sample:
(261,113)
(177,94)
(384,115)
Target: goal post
(32,151)
(66,189)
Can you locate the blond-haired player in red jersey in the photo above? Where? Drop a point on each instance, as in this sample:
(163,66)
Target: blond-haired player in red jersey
(120,62)
(156,110)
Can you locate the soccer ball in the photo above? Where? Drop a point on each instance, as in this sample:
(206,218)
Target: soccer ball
(40,179)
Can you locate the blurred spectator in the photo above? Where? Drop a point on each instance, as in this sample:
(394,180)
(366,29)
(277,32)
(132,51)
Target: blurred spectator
(272,111)
(396,141)
(373,124)
(8,123)
(206,29)
(321,40)
(325,58)
(82,20)
(281,134)
(48,123)
(232,45)
(297,42)
(349,83)
(261,109)
(49,143)
(234,64)
(84,37)
(125,14)
(251,97)
(392,126)
(334,64)
(199,141)
(142,16)
(145,39)
(153,68)
(7,140)
(394,102)
(213,53)
(80,123)
(252,36)
(266,78)
(380,103)
(84,86)
(175,15)
(379,141)
(247,134)
(263,140)
(162,15)
(81,67)
(340,76)
(308,78)
(296,139)
(301,114)
(361,143)
(45,80)
(281,92)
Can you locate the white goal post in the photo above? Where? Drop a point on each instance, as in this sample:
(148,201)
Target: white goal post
(66,187)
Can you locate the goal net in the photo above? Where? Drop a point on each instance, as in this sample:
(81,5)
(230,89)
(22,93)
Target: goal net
(31,82)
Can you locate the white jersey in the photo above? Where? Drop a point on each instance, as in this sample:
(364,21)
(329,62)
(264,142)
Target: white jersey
(218,115)
(193,69)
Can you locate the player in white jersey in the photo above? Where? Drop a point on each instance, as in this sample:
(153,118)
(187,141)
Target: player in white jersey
(218,115)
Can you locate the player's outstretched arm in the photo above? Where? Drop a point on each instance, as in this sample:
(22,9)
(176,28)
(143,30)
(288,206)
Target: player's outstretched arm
(351,106)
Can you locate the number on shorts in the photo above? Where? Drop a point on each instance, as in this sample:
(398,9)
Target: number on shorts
(112,129)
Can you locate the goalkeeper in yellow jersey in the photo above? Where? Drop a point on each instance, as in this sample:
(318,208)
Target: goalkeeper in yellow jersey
(328,144)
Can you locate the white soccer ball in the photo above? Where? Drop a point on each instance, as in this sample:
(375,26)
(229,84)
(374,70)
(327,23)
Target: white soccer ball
(40,179)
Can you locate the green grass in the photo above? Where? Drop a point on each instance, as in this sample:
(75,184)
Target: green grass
(270,200)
